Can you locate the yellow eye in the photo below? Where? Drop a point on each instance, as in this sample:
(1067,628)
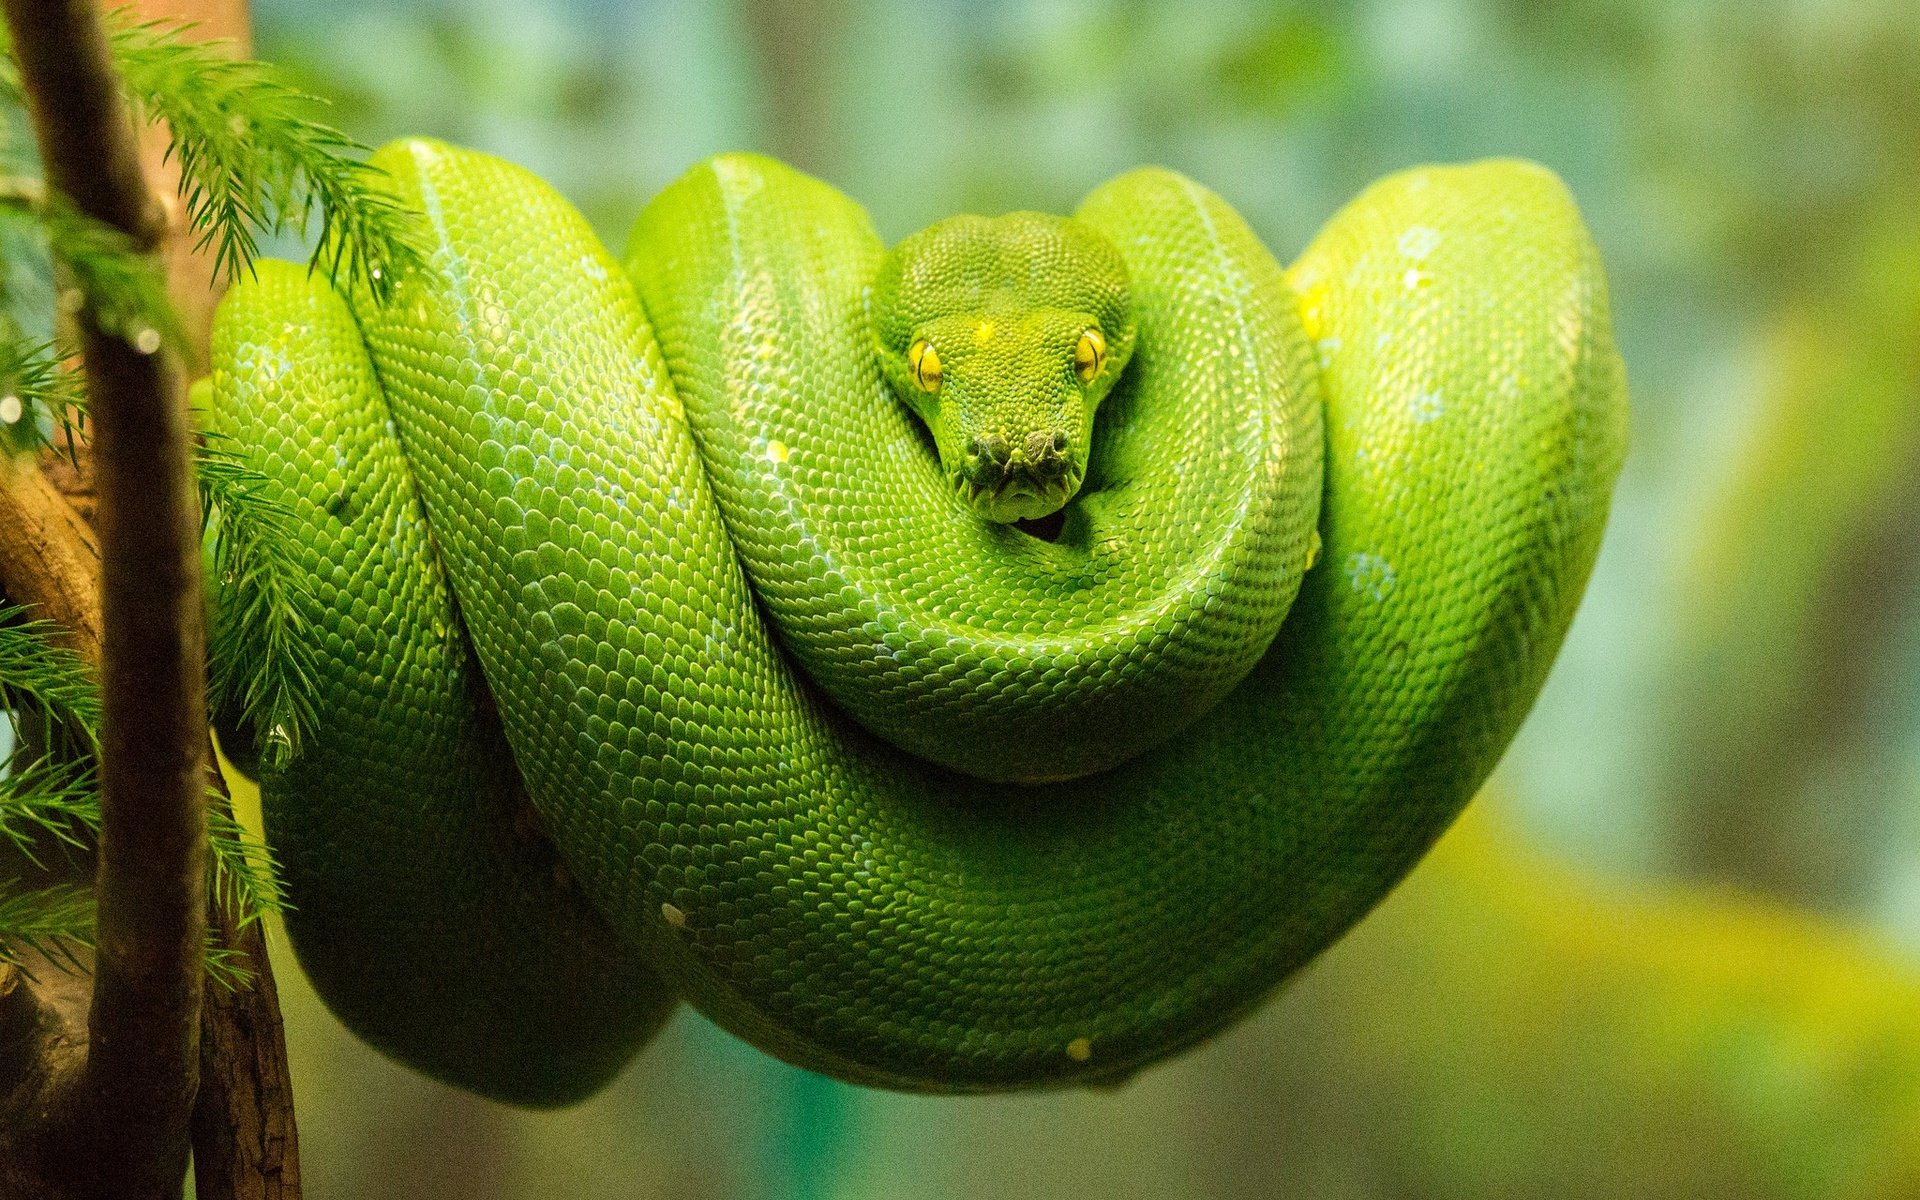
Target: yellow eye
(924,361)
(1089,355)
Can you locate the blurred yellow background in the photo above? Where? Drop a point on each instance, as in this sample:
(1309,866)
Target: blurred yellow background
(1675,951)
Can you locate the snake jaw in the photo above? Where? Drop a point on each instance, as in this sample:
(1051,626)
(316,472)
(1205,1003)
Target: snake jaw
(1005,480)
(1017,495)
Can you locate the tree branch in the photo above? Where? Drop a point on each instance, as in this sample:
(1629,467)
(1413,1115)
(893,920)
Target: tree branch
(245,1145)
(47,557)
(245,1142)
(42,1056)
(123,1130)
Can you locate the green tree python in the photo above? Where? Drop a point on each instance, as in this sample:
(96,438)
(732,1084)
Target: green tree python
(989,663)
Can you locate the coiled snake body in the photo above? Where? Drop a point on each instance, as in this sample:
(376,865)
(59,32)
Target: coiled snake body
(797,726)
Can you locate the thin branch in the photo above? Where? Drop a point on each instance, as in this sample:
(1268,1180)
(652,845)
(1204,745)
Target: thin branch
(126,1129)
(86,137)
(244,1137)
(245,1142)
(43,1011)
(245,1145)
(47,557)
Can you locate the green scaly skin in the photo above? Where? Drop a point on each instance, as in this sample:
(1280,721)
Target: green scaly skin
(474,961)
(962,641)
(828,897)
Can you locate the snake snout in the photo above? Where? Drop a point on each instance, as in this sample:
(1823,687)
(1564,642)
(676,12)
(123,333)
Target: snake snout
(1008,479)
(989,453)
(1046,453)
(1040,457)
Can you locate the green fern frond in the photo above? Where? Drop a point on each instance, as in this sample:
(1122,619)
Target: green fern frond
(58,922)
(253,160)
(55,922)
(51,799)
(260,653)
(245,879)
(43,802)
(49,681)
(34,385)
(40,804)
(121,287)
(223,967)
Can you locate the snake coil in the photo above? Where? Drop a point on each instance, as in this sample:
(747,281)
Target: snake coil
(572,531)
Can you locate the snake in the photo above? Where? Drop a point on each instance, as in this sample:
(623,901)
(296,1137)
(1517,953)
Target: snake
(994,661)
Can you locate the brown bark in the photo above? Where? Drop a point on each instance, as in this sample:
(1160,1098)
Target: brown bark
(243,1131)
(122,1129)
(43,1040)
(245,1145)
(48,560)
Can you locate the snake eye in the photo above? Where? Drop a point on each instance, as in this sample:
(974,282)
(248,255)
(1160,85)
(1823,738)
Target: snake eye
(1089,355)
(924,361)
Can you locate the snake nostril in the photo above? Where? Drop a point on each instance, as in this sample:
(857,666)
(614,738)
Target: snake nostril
(1060,442)
(1038,447)
(994,449)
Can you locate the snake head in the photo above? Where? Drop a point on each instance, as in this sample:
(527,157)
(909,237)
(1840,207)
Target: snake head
(1003,334)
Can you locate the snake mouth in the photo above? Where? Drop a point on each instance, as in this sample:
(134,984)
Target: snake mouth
(1005,482)
(1016,495)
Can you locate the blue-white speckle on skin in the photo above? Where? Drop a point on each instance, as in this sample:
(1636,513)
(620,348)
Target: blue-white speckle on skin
(1370,575)
(1425,406)
(1418,241)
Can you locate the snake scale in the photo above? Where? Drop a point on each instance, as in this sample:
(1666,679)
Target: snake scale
(897,654)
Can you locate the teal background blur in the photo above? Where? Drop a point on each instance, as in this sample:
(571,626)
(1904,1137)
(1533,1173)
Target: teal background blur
(1675,950)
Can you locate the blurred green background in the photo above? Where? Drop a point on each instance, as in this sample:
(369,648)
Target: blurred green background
(1675,950)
